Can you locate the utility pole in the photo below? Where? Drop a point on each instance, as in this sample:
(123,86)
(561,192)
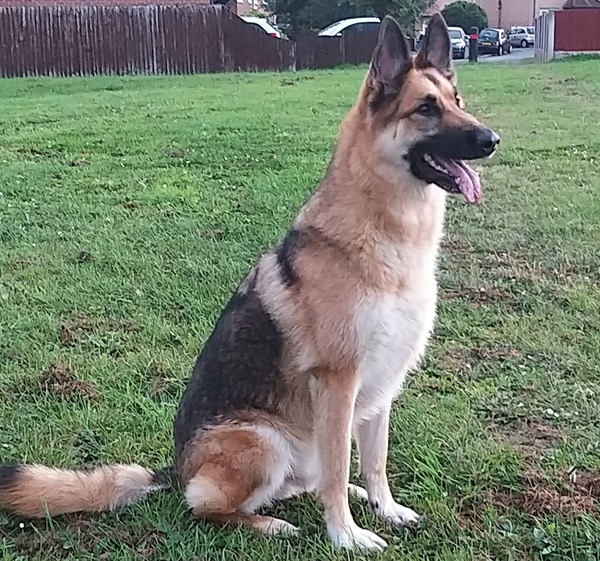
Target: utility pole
(534,10)
(500,14)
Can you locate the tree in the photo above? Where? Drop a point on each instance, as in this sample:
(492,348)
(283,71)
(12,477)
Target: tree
(406,12)
(466,15)
(257,13)
(297,16)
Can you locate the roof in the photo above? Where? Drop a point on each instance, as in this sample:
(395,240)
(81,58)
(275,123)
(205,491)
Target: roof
(573,4)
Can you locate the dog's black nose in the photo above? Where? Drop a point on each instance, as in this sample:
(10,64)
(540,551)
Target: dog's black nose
(487,140)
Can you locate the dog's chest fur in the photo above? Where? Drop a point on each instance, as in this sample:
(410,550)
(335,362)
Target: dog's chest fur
(392,330)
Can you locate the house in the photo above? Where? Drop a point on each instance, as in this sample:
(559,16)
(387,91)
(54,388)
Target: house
(506,13)
(231,4)
(250,6)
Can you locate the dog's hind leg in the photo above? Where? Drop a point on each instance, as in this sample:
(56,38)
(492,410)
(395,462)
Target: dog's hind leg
(241,469)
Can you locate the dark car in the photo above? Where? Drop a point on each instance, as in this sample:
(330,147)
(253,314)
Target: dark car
(493,42)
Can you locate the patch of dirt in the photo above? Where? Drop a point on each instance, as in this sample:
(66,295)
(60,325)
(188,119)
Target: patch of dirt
(586,482)
(215,234)
(455,244)
(461,360)
(130,205)
(29,543)
(147,545)
(79,162)
(498,354)
(60,380)
(39,152)
(74,330)
(533,439)
(162,384)
(485,296)
(294,81)
(540,496)
(80,534)
(454,359)
(21,263)
(84,257)
(179,153)
(521,262)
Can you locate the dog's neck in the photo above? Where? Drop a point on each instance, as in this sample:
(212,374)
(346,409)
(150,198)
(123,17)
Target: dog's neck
(363,201)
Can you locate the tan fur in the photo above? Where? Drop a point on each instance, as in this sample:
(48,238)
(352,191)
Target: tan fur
(40,491)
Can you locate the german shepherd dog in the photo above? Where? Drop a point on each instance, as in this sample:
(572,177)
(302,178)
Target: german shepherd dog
(318,339)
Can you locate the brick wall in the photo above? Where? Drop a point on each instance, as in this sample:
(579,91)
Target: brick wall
(245,6)
(99,2)
(231,4)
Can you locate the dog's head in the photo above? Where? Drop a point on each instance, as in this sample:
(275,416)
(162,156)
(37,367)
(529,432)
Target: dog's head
(416,114)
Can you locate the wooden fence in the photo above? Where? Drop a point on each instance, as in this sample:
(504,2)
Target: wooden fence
(88,40)
(565,32)
(83,40)
(577,30)
(313,51)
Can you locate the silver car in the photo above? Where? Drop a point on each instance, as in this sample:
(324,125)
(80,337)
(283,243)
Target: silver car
(521,36)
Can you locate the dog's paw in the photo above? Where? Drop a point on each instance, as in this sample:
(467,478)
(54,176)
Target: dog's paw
(276,527)
(353,537)
(397,515)
(358,493)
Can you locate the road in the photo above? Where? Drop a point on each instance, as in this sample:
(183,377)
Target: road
(517,56)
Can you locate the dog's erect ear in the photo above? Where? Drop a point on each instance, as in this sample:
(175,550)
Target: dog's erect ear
(389,57)
(436,46)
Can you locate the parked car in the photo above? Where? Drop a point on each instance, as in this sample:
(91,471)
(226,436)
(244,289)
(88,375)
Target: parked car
(351,25)
(493,42)
(522,36)
(459,42)
(263,25)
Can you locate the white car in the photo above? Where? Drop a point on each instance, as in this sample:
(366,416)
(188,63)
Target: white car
(522,36)
(459,41)
(352,24)
(262,24)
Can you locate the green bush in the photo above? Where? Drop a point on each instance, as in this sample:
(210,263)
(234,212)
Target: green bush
(466,15)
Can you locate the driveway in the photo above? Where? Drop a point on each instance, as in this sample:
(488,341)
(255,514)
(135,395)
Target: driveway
(517,56)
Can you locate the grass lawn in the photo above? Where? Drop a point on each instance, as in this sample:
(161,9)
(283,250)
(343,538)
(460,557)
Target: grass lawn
(131,207)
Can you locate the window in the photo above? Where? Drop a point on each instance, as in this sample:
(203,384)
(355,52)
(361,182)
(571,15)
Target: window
(356,28)
(257,26)
(370,27)
(489,35)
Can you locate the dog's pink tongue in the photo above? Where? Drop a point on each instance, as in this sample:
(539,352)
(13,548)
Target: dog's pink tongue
(468,179)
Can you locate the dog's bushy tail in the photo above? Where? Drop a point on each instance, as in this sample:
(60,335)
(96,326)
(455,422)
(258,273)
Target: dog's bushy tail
(36,491)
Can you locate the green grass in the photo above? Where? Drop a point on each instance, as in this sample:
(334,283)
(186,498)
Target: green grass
(131,207)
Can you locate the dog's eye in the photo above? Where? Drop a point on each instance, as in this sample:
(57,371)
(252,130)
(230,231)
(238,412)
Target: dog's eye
(427,109)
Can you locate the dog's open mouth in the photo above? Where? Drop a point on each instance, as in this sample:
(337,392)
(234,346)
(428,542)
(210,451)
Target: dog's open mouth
(454,176)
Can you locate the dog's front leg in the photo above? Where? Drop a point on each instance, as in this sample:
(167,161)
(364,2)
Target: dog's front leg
(372,440)
(334,395)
